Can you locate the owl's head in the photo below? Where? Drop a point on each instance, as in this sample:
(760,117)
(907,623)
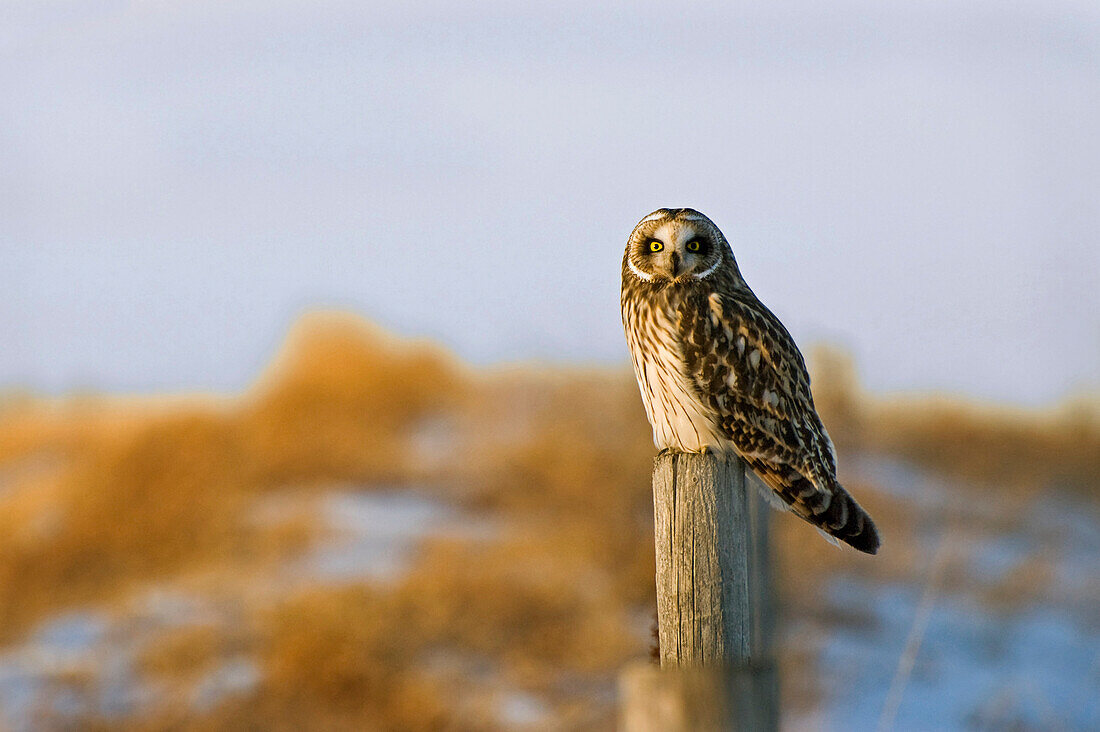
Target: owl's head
(675,246)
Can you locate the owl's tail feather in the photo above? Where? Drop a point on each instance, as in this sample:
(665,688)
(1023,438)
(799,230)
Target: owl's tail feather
(858,531)
(842,517)
(834,512)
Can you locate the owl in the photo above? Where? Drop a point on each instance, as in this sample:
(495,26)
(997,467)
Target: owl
(718,372)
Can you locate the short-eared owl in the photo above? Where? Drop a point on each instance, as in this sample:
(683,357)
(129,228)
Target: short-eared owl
(718,370)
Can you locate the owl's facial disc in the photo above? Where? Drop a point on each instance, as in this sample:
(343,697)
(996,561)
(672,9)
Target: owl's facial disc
(675,251)
(674,246)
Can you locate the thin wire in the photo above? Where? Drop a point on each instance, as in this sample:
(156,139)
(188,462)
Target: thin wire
(916,636)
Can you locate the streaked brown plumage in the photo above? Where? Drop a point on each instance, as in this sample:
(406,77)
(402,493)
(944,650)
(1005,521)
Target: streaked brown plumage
(718,371)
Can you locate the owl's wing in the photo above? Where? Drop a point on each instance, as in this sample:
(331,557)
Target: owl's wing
(746,367)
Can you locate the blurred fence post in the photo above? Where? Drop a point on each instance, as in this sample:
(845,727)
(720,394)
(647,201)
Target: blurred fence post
(715,604)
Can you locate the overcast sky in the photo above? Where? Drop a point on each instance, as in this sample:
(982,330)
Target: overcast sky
(178,180)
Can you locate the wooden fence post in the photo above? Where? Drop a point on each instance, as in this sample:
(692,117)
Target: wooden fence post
(715,604)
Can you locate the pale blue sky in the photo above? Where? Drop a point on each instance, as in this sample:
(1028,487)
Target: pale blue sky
(178,180)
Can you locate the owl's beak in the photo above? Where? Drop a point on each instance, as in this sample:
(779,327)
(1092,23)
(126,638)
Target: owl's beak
(674,264)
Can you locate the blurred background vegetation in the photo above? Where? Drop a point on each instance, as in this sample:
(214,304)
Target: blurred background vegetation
(378,536)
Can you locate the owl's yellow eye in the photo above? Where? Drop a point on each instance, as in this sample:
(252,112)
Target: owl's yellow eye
(655,246)
(693,245)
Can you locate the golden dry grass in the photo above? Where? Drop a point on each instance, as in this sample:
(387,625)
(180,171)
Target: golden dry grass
(341,402)
(1005,448)
(123,498)
(99,500)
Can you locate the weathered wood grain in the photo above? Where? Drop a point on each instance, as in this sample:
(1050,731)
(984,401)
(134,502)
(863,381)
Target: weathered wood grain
(715,603)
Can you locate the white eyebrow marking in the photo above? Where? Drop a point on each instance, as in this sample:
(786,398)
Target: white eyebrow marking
(638,272)
(708,271)
(656,215)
